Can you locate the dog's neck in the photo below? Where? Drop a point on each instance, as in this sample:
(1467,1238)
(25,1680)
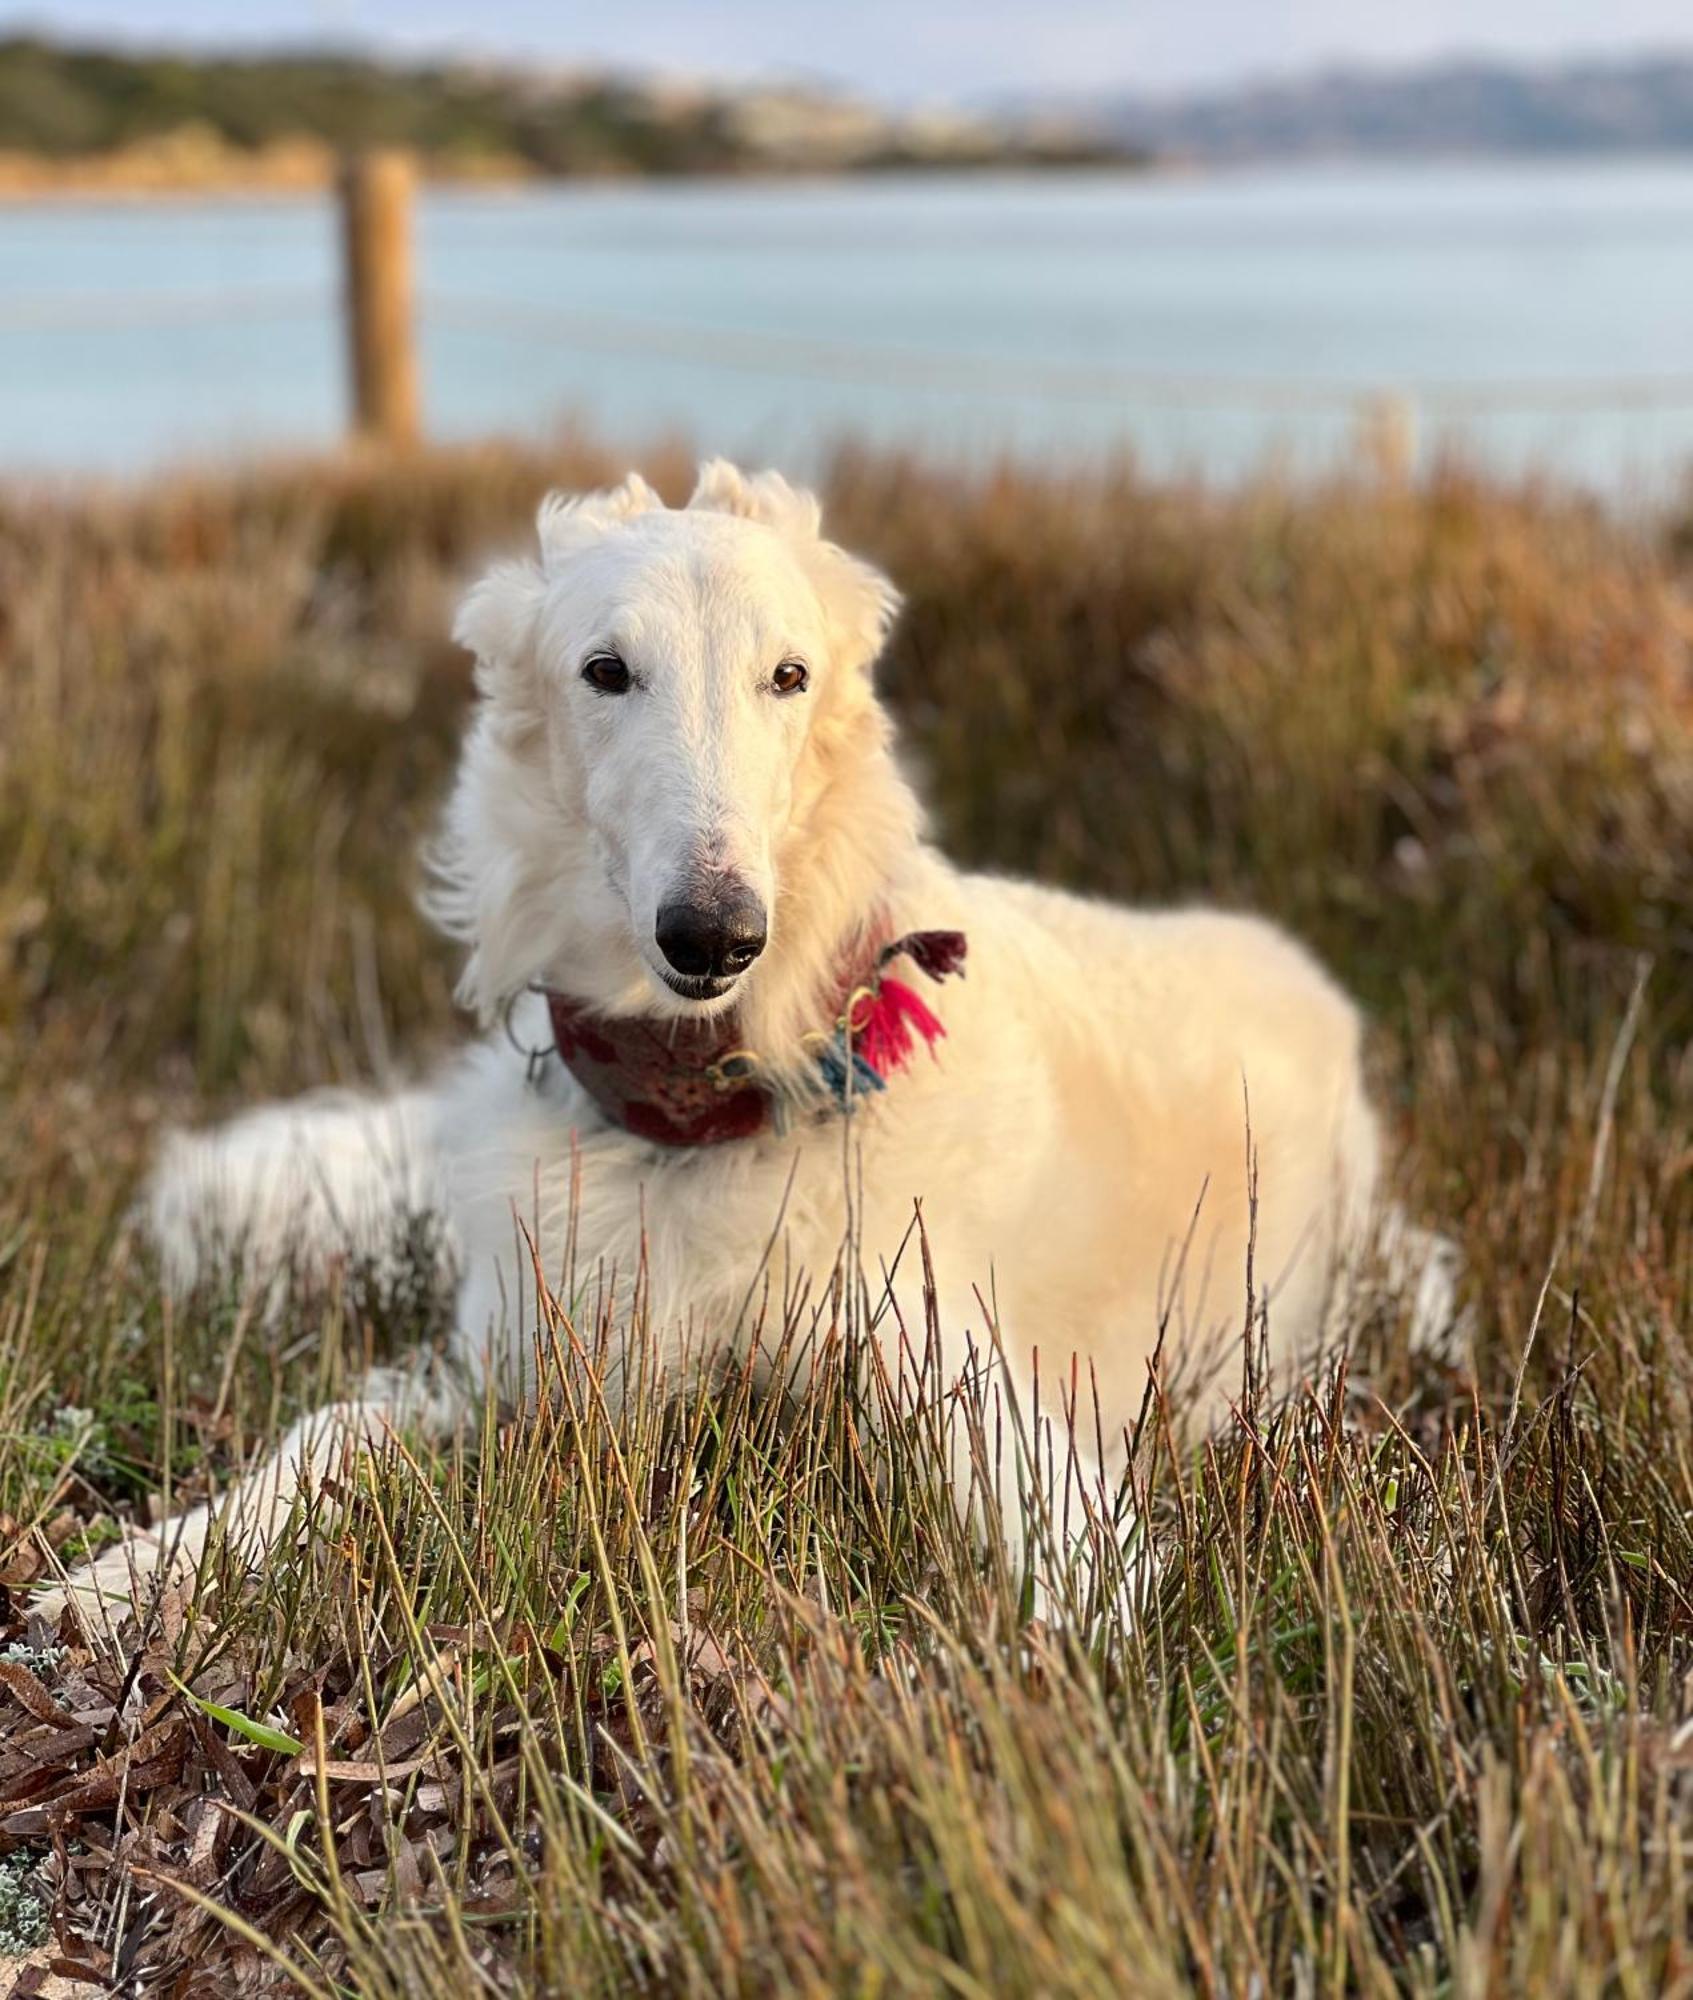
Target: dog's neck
(698,1084)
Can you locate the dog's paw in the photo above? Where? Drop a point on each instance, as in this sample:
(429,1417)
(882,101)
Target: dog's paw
(123,1580)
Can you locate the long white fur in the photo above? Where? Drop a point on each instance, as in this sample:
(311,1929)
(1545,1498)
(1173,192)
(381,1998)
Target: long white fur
(1079,1145)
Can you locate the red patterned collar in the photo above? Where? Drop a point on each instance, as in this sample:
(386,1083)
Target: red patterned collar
(685,1083)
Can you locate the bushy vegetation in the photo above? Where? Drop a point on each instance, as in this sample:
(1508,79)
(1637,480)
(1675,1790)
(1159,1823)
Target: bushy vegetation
(713,1697)
(67,101)
(70,103)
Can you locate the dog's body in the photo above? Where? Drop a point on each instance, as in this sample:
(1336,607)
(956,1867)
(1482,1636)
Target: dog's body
(1019,1141)
(1133,1125)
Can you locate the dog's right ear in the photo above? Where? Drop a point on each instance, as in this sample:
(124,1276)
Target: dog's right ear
(568,522)
(496,622)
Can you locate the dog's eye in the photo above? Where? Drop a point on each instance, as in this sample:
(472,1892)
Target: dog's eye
(790,677)
(605,673)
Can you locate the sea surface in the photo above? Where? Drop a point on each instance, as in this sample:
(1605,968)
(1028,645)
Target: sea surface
(1536,315)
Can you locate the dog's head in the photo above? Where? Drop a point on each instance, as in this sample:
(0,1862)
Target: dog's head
(667,694)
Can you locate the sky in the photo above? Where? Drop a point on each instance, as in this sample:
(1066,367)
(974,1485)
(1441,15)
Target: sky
(905,49)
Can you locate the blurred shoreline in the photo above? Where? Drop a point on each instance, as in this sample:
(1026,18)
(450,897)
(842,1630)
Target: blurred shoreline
(200,165)
(196,162)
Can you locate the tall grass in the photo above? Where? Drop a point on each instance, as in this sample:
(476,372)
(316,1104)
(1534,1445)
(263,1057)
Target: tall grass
(712,1695)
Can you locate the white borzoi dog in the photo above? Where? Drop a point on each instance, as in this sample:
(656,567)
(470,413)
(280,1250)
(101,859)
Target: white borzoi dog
(685,861)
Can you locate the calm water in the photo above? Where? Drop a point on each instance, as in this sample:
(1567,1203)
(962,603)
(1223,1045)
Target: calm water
(1544,314)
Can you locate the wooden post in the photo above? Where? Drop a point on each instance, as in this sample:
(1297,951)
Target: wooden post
(376,203)
(1386,433)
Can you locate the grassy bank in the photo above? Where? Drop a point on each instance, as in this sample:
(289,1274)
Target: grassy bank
(714,1698)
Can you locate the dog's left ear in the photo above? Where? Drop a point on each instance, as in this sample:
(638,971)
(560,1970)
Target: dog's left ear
(862,604)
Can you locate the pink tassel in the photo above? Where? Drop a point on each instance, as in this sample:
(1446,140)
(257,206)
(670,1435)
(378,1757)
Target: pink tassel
(885,1038)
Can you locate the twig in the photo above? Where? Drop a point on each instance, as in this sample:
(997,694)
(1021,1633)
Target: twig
(1608,1100)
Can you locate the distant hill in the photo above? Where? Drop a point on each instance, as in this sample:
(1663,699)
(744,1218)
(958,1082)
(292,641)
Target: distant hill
(1644,104)
(90,117)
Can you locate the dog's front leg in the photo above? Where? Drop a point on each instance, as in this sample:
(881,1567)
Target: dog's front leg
(1028,1472)
(418,1399)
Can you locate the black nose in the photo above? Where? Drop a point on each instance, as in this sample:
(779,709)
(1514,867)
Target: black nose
(712,940)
